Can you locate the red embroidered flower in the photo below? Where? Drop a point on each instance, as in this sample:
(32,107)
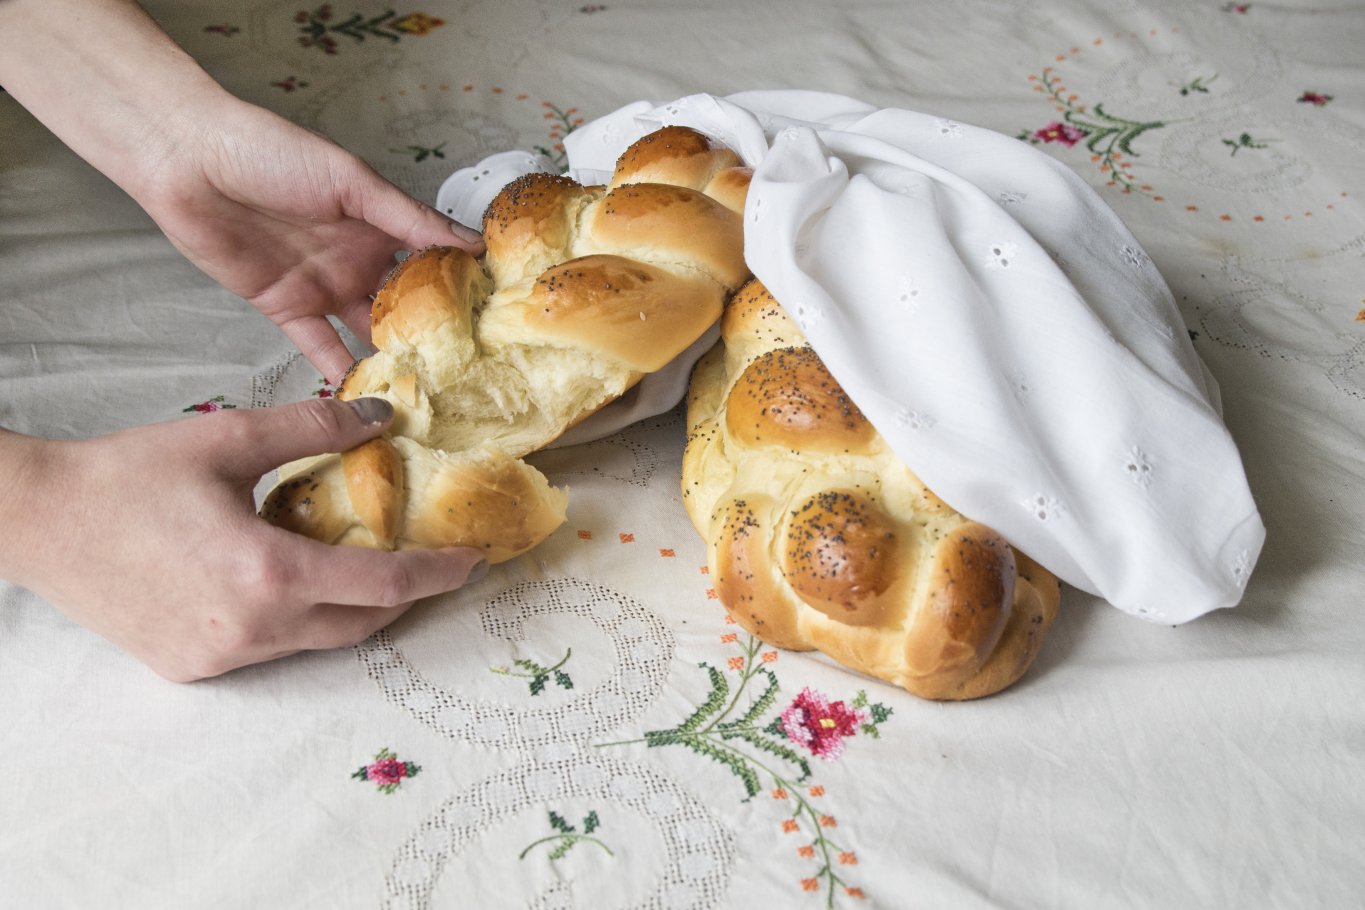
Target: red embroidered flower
(819,725)
(386,772)
(216,403)
(1057,131)
(1315,98)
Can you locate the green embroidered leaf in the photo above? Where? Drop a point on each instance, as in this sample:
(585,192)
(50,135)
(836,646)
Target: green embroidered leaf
(362,774)
(756,739)
(590,823)
(530,666)
(559,823)
(871,730)
(760,705)
(776,728)
(731,760)
(538,684)
(880,712)
(654,738)
(563,679)
(720,690)
(563,848)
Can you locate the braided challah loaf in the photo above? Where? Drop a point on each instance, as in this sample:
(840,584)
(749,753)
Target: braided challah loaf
(583,290)
(820,537)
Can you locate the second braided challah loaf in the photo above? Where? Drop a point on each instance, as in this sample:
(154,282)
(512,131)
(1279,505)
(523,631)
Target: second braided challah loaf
(819,536)
(583,290)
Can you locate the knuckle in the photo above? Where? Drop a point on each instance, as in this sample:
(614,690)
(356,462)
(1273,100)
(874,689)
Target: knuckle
(262,575)
(236,429)
(394,586)
(322,416)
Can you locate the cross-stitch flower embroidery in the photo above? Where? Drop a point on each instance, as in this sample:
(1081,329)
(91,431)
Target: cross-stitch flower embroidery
(386,772)
(812,721)
(1057,131)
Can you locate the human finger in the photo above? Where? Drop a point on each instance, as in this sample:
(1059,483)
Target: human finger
(415,224)
(327,626)
(354,576)
(252,442)
(318,341)
(355,315)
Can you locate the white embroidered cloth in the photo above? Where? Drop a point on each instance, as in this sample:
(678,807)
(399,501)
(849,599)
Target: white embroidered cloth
(992,317)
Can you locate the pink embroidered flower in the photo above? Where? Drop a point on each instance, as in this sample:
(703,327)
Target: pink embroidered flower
(1064,133)
(386,772)
(1314,98)
(216,403)
(819,725)
(290,84)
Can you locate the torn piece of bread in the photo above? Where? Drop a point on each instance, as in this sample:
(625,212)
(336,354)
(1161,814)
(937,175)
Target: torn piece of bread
(583,291)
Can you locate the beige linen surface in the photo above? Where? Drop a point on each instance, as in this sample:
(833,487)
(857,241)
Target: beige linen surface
(526,742)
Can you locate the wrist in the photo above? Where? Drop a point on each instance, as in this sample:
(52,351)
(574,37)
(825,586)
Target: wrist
(33,467)
(107,81)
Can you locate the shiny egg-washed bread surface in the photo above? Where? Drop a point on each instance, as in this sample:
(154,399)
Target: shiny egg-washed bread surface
(820,537)
(582,291)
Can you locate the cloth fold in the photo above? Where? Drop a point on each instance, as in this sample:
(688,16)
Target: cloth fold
(992,317)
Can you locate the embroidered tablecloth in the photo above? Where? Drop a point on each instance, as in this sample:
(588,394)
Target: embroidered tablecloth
(585,727)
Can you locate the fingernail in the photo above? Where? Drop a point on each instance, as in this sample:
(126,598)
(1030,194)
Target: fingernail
(468,235)
(371,410)
(477,572)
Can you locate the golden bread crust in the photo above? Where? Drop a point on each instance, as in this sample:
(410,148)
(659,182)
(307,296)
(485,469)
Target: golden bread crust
(582,291)
(820,537)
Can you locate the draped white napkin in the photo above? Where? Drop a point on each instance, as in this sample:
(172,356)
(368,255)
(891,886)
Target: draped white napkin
(992,317)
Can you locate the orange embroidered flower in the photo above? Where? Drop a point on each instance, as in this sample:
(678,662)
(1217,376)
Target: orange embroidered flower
(769,656)
(810,884)
(807,851)
(627,538)
(417,23)
(854,892)
(848,858)
(585,535)
(705,570)
(790,826)
(712,595)
(729,637)
(817,790)
(667,553)
(779,793)
(736,663)
(827,821)
(729,620)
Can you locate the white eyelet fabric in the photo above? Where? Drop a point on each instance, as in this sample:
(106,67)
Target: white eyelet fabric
(994,319)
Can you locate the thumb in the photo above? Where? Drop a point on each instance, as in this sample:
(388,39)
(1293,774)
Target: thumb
(413,223)
(269,437)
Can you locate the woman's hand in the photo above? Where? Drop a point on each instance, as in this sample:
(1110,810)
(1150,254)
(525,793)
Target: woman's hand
(291,222)
(150,538)
(280,215)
